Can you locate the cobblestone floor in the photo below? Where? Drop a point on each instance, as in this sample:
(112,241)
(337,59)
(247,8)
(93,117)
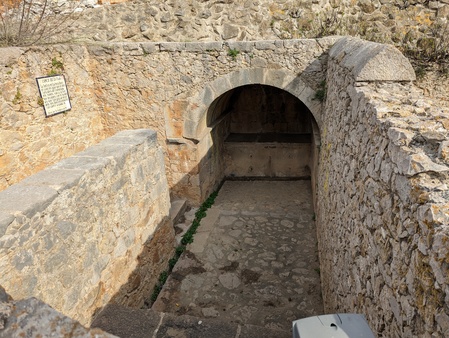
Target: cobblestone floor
(254,258)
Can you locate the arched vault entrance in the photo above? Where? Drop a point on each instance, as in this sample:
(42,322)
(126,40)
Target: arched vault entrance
(250,123)
(261,131)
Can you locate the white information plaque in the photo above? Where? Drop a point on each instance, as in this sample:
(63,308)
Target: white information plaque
(53,91)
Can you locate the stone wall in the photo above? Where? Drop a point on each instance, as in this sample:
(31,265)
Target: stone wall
(29,142)
(89,230)
(167,87)
(20,318)
(267,159)
(380,182)
(193,20)
(382,209)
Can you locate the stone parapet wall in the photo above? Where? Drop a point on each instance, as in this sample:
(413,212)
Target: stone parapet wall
(382,210)
(20,318)
(89,230)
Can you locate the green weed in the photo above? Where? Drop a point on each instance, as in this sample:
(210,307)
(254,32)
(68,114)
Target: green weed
(186,239)
(233,53)
(17,97)
(321,93)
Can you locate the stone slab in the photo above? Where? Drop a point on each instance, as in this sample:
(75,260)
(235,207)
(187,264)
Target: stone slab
(207,223)
(199,243)
(32,199)
(264,45)
(193,327)
(253,331)
(31,317)
(172,46)
(136,134)
(150,47)
(82,163)
(177,208)
(127,322)
(58,179)
(116,151)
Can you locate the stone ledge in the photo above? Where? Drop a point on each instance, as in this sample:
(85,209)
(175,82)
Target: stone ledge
(32,316)
(207,46)
(140,323)
(370,61)
(26,200)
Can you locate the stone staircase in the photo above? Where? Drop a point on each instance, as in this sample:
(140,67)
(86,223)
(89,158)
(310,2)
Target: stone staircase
(146,323)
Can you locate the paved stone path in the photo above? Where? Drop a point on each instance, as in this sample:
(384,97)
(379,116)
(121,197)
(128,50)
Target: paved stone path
(253,260)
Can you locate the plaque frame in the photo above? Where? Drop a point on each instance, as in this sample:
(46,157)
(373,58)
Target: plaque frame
(66,101)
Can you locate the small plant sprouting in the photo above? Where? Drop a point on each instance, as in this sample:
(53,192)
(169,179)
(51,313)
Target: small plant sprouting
(55,63)
(321,93)
(186,239)
(40,101)
(233,53)
(56,67)
(420,72)
(17,97)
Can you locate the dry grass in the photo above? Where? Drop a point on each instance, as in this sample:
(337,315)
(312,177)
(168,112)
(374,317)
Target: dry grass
(27,22)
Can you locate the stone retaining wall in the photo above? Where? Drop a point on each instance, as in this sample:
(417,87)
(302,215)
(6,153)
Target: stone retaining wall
(393,21)
(381,179)
(22,318)
(90,229)
(164,86)
(383,210)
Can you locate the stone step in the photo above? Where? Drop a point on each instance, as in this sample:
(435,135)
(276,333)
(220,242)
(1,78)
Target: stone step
(177,209)
(146,323)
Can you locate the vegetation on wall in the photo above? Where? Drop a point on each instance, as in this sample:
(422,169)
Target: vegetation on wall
(56,67)
(233,53)
(321,93)
(418,30)
(186,239)
(425,43)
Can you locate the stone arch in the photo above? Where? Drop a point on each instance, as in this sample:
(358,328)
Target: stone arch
(195,117)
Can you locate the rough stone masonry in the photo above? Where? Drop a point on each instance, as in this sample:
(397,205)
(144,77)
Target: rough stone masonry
(89,230)
(380,177)
(382,207)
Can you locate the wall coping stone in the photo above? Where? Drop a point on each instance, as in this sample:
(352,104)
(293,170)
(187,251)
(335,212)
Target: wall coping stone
(109,48)
(36,192)
(81,163)
(6,219)
(58,179)
(370,61)
(26,200)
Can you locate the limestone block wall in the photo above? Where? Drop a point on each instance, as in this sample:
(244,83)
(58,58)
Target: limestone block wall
(19,318)
(196,20)
(267,159)
(382,189)
(89,230)
(29,142)
(120,86)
